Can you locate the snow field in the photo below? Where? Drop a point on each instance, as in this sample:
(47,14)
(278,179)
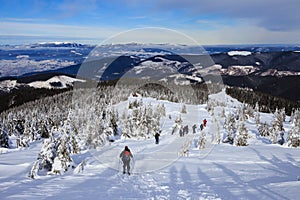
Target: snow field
(219,171)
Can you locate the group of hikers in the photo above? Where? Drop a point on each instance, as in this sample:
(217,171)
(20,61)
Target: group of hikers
(126,154)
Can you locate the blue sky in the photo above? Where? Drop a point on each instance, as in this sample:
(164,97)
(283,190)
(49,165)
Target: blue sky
(206,21)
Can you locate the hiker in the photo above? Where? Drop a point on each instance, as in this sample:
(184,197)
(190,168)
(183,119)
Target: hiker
(194,128)
(181,134)
(281,141)
(157,134)
(125,155)
(185,130)
(201,127)
(204,122)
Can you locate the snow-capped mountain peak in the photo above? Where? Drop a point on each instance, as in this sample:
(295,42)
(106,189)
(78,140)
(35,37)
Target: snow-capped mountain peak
(239,53)
(55,82)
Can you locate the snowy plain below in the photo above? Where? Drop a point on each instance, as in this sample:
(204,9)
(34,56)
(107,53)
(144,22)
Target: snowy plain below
(220,171)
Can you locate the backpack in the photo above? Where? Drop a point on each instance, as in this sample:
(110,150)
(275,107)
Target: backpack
(126,155)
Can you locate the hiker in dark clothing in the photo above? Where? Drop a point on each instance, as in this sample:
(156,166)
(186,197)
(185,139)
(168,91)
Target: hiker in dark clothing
(194,128)
(126,155)
(185,129)
(157,134)
(181,134)
(201,127)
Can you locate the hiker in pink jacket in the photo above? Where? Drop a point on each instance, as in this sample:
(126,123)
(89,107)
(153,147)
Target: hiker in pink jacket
(126,155)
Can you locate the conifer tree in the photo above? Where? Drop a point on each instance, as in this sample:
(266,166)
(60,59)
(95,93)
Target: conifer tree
(183,109)
(4,139)
(257,114)
(277,126)
(202,140)
(223,113)
(283,115)
(294,134)
(113,121)
(264,130)
(63,159)
(229,125)
(241,134)
(47,154)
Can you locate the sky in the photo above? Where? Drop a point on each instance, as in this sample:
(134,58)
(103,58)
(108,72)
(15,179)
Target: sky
(204,22)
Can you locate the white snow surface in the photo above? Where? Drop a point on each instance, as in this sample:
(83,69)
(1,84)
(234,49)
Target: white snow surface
(220,171)
(24,65)
(65,81)
(7,85)
(239,70)
(239,53)
(274,72)
(62,81)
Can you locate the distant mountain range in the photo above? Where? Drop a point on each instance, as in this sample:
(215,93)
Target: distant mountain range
(269,69)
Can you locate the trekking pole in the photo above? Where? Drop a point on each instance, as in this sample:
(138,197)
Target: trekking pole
(119,164)
(133,164)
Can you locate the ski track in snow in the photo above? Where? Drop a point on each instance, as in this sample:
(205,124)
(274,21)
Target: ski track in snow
(220,172)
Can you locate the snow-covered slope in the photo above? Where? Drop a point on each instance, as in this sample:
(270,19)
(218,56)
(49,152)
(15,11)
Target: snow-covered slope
(55,82)
(274,72)
(219,171)
(8,85)
(239,70)
(239,53)
(23,65)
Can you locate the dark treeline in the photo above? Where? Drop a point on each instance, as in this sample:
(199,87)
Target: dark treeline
(267,103)
(19,96)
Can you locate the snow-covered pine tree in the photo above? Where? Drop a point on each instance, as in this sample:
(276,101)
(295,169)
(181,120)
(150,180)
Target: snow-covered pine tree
(135,122)
(257,114)
(277,126)
(264,130)
(70,132)
(19,127)
(210,105)
(249,111)
(183,109)
(125,125)
(63,159)
(47,154)
(294,116)
(202,140)
(223,115)
(177,124)
(142,121)
(19,133)
(294,137)
(157,115)
(241,134)
(242,112)
(28,130)
(229,125)
(113,121)
(42,130)
(294,134)
(34,170)
(218,131)
(4,139)
(283,115)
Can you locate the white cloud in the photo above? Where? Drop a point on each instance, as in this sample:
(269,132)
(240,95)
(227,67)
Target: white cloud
(274,15)
(243,34)
(39,29)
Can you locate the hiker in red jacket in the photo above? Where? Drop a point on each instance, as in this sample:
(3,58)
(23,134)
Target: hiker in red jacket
(126,155)
(204,122)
